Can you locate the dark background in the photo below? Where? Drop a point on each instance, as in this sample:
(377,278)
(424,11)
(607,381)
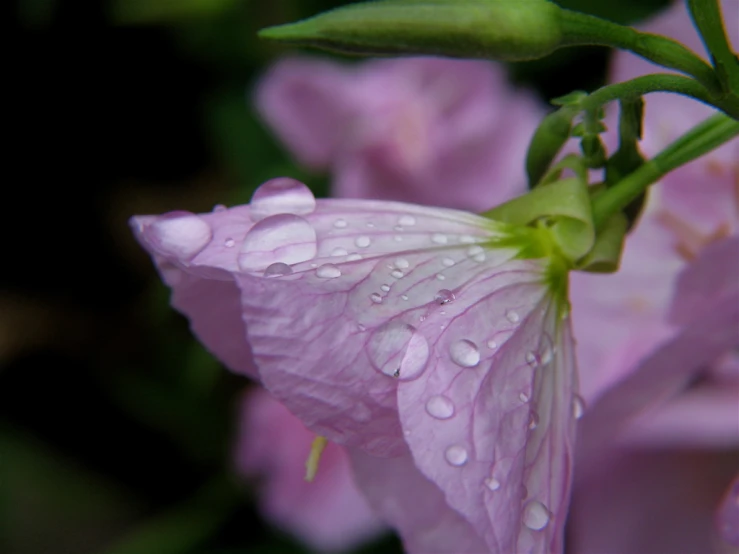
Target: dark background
(116,427)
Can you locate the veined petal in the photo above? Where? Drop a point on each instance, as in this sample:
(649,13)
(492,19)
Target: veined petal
(335,335)
(385,325)
(497,435)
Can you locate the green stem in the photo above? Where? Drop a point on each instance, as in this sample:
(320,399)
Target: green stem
(579,28)
(707,17)
(701,139)
(660,82)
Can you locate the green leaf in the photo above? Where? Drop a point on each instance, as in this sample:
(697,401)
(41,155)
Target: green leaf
(497,29)
(548,140)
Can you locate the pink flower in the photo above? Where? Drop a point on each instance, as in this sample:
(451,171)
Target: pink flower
(657,342)
(405,129)
(329,513)
(432,336)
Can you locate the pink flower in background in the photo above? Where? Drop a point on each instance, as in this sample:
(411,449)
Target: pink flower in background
(407,332)
(329,514)
(657,344)
(405,129)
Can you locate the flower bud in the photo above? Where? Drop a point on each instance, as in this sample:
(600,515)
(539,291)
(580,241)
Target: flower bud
(508,30)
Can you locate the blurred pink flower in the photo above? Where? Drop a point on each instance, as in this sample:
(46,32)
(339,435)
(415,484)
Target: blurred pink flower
(407,332)
(329,514)
(657,346)
(405,129)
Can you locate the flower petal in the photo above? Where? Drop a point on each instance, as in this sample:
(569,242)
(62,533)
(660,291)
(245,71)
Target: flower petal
(329,513)
(195,255)
(330,335)
(497,435)
(413,505)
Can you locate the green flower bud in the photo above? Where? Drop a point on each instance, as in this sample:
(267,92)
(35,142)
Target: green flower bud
(509,30)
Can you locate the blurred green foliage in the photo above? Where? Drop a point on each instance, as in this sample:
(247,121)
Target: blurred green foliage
(116,427)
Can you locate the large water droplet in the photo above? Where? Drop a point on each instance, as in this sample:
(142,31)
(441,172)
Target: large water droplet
(440,407)
(399,350)
(578,406)
(376,298)
(444,296)
(385,288)
(407,220)
(402,263)
(456,455)
(179,234)
(328,271)
(535,515)
(440,277)
(281,196)
(512,316)
(439,238)
(363,241)
(339,251)
(448,262)
(277,270)
(465,353)
(282,238)
(396,273)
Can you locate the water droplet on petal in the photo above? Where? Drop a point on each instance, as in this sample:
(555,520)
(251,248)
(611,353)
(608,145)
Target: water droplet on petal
(328,271)
(440,407)
(376,298)
(439,238)
(546,354)
(278,270)
(465,353)
(407,220)
(535,515)
(398,238)
(229,243)
(578,406)
(283,238)
(219,208)
(474,250)
(396,273)
(444,296)
(532,359)
(456,455)
(448,262)
(339,251)
(466,239)
(179,234)
(399,350)
(353,257)
(512,316)
(523,397)
(492,345)
(404,296)
(363,241)
(440,277)
(385,288)
(340,223)
(492,483)
(533,420)
(402,263)
(281,196)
